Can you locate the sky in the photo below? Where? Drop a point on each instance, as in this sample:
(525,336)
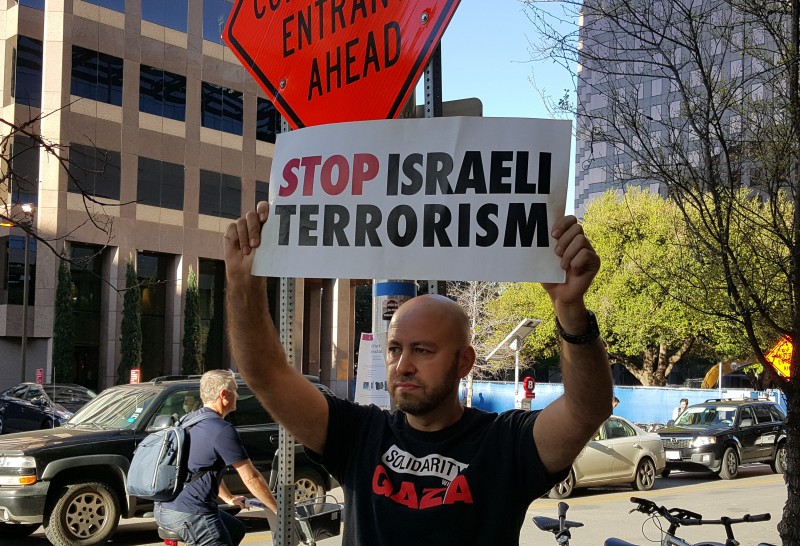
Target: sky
(485,55)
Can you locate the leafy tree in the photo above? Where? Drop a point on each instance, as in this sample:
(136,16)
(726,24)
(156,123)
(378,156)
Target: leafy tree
(63,334)
(729,71)
(474,297)
(192,348)
(131,329)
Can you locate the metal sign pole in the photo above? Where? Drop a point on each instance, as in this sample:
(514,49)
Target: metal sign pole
(433,109)
(284,534)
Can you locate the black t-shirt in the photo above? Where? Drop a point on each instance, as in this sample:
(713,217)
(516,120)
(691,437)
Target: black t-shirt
(471,483)
(213,445)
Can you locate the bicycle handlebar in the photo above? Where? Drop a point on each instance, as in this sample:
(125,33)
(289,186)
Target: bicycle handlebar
(681,516)
(254,503)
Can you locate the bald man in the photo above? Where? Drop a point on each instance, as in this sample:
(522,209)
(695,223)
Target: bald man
(433,472)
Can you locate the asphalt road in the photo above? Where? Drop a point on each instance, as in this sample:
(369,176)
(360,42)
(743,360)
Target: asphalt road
(603,511)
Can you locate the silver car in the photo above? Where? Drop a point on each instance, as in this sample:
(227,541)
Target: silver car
(619,453)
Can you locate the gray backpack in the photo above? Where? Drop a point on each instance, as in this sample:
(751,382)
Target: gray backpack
(158,469)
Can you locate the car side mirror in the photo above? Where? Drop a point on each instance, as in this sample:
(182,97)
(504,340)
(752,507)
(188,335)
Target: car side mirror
(746,423)
(161,422)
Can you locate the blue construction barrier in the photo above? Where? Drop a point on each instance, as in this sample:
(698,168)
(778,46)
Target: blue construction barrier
(637,404)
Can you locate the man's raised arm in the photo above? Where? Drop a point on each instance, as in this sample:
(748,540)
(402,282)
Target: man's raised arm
(564,427)
(291,400)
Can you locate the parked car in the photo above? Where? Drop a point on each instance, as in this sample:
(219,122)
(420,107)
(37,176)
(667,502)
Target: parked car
(31,406)
(720,435)
(619,453)
(71,480)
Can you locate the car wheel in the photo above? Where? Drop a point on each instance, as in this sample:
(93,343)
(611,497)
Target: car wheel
(645,475)
(730,465)
(308,484)
(778,464)
(86,514)
(47,423)
(564,489)
(1,424)
(665,473)
(21,530)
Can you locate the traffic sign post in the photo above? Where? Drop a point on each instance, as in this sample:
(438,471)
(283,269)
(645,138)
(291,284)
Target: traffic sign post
(326,62)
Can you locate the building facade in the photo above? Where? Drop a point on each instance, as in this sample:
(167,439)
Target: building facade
(160,138)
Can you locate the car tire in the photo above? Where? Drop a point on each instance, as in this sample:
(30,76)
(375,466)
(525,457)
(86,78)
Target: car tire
(645,475)
(730,464)
(564,489)
(308,484)
(665,473)
(778,464)
(47,423)
(1,424)
(20,530)
(85,514)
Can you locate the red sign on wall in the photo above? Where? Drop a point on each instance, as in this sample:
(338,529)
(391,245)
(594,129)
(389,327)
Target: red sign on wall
(328,61)
(136,375)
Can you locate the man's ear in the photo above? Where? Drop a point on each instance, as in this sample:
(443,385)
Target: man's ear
(466,361)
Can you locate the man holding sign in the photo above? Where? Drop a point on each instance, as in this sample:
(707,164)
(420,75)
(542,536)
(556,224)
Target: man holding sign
(433,472)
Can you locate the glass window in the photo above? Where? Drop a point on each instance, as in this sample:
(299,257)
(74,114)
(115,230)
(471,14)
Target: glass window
(746,414)
(168,13)
(35,4)
(160,184)
(171,186)
(27,85)
(220,194)
(96,76)
(151,270)
(262,191)
(24,170)
(94,171)
(221,108)
(162,93)
(211,294)
(116,5)
(231,197)
(15,270)
(249,410)
(86,272)
(215,14)
(762,414)
(266,121)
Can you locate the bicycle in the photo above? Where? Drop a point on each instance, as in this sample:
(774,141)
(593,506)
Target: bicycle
(678,517)
(559,527)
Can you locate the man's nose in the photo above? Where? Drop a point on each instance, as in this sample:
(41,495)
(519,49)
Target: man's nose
(405,364)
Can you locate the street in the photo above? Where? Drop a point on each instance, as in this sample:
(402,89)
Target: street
(603,511)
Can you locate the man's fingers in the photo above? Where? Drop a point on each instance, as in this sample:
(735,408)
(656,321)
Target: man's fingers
(262,208)
(243,234)
(231,236)
(253,220)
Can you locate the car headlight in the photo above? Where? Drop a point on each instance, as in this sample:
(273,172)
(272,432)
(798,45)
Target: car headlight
(17,470)
(703,441)
(63,415)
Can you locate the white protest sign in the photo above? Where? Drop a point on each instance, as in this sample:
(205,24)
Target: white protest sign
(371,385)
(446,198)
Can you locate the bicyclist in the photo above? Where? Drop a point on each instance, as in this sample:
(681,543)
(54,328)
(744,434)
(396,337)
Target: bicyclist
(434,472)
(213,445)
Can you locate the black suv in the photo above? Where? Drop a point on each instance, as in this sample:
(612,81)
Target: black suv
(71,479)
(719,435)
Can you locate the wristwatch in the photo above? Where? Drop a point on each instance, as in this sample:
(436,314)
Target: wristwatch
(592,333)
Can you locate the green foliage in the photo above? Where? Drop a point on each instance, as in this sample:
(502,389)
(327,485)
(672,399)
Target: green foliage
(192,329)
(63,334)
(131,329)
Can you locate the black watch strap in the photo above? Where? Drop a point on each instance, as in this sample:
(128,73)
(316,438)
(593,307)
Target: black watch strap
(592,332)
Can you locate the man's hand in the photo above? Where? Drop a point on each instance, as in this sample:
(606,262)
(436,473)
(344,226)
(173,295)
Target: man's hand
(581,263)
(241,238)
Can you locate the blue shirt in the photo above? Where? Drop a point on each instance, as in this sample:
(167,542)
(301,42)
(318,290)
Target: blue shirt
(213,445)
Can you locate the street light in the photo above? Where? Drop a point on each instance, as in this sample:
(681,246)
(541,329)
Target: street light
(514,342)
(29,211)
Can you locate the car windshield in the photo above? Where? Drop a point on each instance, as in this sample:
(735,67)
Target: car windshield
(707,415)
(61,394)
(114,409)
